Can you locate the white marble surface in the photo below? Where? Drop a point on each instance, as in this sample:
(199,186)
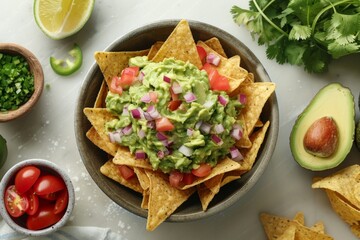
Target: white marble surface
(48,132)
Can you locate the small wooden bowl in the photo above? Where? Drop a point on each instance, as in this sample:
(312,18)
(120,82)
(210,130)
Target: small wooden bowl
(35,69)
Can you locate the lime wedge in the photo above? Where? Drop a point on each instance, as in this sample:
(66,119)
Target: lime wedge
(59,19)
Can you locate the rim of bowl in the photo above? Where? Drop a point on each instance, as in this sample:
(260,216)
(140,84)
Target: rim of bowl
(35,69)
(247,56)
(42,163)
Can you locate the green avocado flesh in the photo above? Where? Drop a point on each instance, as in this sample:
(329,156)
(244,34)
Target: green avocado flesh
(334,101)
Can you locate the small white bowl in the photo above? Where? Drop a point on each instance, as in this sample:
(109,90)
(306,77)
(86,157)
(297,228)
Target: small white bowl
(42,165)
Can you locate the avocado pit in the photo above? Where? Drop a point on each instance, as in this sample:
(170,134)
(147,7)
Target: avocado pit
(321,139)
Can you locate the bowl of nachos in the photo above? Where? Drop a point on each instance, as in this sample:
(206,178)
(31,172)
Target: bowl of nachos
(176,121)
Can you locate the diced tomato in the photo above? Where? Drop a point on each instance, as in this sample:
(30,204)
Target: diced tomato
(115,87)
(174,96)
(153,97)
(126,172)
(128,76)
(174,104)
(33,203)
(202,53)
(188,178)
(16,204)
(175,178)
(61,202)
(202,171)
(163,124)
(218,82)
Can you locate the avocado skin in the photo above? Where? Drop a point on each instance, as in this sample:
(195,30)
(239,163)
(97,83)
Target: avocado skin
(357,135)
(3,151)
(333,100)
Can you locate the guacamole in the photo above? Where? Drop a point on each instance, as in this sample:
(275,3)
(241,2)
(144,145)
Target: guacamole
(203,121)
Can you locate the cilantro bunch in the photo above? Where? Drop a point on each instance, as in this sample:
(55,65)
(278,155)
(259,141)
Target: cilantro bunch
(308,33)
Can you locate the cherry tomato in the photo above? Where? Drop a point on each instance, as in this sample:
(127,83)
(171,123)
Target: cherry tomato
(43,218)
(163,124)
(126,172)
(202,53)
(174,104)
(16,204)
(202,171)
(25,178)
(188,178)
(115,87)
(175,178)
(217,81)
(46,184)
(33,203)
(50,196)
(61,202)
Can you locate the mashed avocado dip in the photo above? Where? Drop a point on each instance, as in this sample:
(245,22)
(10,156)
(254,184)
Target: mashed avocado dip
(201,123)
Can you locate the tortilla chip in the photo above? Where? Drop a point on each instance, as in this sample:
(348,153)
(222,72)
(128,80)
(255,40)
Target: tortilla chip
(145,200)
(112,63)
(205,195)
(154,49)
(124,157)
(111,170)
(256,96)
(318,227)
(215,44)
(300,218)
(289,233)
(244,141)
(356,230)
(344,209)
(223,166)
(180,45)
(95,138)
(259,123)
(345,182)
(229,177)
(100,99)
(164,199)
(143,178)
(250,154)
(98,118)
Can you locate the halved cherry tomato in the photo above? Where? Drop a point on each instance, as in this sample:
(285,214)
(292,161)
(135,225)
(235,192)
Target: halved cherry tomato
(163,124)
(174,104)
(33,203)
(188,178)
(61,201)
(128,76)
(175,178)
(126,172)
(16,204)
(202,171)
(115,87)
(202,53)
(47,184)
(25,178)
(43,218)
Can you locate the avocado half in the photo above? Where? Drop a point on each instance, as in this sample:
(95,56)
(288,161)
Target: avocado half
(334,101)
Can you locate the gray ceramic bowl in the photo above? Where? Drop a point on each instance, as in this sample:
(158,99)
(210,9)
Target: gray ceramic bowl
(93,157)
(42,165)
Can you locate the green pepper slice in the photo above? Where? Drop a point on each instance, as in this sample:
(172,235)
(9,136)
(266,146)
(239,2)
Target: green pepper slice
(67,67)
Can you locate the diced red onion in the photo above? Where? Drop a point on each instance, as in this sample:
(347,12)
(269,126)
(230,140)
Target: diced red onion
(176,88)
(160,154)
(141,76)
(189,132)
(236,133)
(216,139)
(153,112)
(161,136)
(115,137)
(189,97)
(140,154)
(125,111)
(213,59)
(167,142)
(127,130)
(242,99)
(185,150)
(208,104)
(219,128)
(205,127)
(198,124)
(167,79)
(146,98)
(141,133)
(235,154)
(151,124)
(222,100)
(136,113)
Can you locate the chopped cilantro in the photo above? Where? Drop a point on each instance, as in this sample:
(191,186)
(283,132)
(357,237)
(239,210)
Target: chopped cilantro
(303,32)
(16,82)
